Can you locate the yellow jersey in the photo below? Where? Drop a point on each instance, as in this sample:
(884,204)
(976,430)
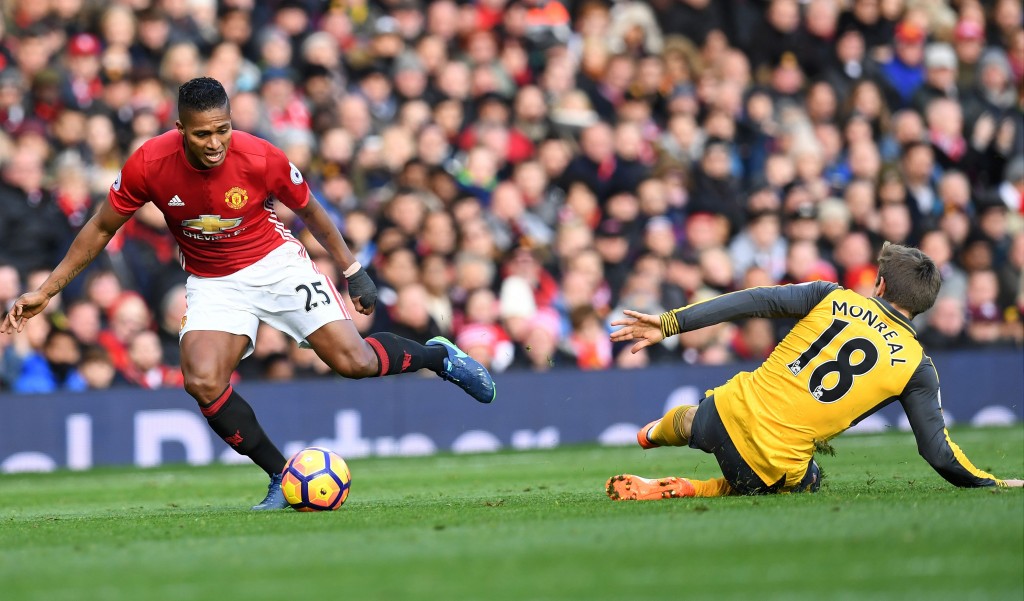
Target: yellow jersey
(847,357)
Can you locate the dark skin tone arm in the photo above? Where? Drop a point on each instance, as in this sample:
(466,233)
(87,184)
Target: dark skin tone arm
(88,244)
(327,234)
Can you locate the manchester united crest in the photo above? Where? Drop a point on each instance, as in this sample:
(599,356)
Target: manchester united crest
(236,197)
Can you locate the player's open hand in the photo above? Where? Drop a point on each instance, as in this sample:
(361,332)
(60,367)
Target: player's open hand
(1013,483)
(644,328)
(28,305)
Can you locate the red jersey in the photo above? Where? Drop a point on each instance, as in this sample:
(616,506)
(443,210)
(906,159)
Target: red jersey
(223,218)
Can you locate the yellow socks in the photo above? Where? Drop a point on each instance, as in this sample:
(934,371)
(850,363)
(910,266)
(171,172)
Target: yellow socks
(715,487)
(670,431)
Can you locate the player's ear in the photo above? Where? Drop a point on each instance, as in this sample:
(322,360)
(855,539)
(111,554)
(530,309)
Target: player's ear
(181,128)
(880,287)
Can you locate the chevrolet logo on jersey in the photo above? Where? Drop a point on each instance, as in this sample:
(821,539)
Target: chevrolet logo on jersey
(211,224)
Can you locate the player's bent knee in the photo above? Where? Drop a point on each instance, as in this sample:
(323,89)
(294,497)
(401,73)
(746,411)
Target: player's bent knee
(204,388)
(357,363)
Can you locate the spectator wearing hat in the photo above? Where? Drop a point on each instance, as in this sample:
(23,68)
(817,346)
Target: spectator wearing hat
(995,81)
(802,219)
(411,79)
(940,64)
(547,25)
(904,73)
(968,43)
(82,85)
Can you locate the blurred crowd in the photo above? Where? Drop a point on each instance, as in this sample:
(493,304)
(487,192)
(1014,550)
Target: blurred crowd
(516,172)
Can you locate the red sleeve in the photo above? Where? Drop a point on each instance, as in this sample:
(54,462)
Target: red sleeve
(128,192)
(285,181)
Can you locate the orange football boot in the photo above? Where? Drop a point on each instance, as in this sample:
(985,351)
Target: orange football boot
(627,487)
(641,436)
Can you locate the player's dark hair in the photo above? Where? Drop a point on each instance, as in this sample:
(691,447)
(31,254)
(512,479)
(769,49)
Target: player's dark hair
(200,95)
(911,278)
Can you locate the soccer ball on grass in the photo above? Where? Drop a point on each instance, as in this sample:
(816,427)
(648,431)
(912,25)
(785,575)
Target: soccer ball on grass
(316,479)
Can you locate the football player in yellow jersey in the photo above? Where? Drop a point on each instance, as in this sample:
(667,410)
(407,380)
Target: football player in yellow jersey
(846,358)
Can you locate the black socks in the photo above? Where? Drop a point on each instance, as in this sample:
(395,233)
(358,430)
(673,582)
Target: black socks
(234,421)
(399,355)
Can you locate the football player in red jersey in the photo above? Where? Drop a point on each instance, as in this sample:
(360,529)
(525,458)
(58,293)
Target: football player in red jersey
(216,188)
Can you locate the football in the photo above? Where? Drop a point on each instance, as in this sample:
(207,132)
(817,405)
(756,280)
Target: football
(316,479)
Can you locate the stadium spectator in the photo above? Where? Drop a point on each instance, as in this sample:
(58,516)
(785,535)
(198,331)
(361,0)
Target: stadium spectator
(53,368)
(446,129)
(946,323)
(146,368)
(97,370)
(33,230)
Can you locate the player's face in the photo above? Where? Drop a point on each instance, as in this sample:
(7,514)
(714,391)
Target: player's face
(207,136)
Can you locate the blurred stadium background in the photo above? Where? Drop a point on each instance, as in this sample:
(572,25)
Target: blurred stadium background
(515,172)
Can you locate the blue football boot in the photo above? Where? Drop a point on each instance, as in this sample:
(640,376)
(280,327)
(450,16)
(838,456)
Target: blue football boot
(275,498)
(465,371)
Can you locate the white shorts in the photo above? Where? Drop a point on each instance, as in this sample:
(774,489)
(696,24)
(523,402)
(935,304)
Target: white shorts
(283,289)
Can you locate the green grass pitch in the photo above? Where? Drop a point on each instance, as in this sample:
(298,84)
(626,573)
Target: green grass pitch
(522,526)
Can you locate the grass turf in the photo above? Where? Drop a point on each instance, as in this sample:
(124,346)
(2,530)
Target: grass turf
(527,525)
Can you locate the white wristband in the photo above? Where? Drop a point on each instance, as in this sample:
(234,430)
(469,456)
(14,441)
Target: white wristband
(352,269)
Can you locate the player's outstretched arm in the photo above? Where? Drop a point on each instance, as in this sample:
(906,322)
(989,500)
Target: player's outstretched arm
(792,300)
(644,328)
(87,245)
(361,288)
(770,301)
